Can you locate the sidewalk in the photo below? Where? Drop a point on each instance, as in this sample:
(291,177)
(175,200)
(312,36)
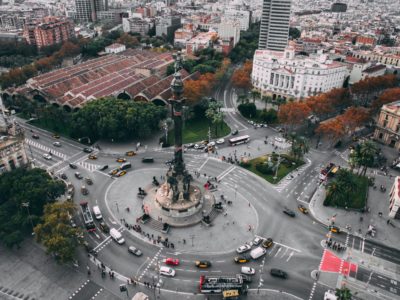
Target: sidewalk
(377,202)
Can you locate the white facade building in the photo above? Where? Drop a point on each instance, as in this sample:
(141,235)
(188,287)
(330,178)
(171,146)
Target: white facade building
(135,25)
(236,15)
(115,48)
(229,29)
(394,200)
(282,74)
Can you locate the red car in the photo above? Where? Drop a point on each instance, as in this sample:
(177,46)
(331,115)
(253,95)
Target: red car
(171,261)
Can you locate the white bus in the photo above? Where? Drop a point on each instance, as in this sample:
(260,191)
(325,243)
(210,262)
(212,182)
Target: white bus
(239,140)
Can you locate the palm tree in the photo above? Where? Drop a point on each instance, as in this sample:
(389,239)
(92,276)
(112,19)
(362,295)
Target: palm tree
(242,98)
(343,294)
(334,193)
(266,99)
(255,94)
(368,150)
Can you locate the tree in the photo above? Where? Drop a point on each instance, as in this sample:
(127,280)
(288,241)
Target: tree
(343,294)
(363,156)
(353,118)
(214,114)
(23,194)
(195,90)
(387,96)
(241,78)
(299,146)
(266,99)
(255,94)
(128,40)
(248,110)
(333,129)
(56,232)
(320,105)
(294,33)
(293,113)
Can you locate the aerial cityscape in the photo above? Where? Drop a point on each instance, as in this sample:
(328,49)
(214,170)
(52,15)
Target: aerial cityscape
(233,149)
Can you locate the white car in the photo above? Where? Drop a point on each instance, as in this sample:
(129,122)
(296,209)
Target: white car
(57,144)
(243,248)
(220,141)
(47,156)
(167,271)
(256,241)
(211,144)
(248,271)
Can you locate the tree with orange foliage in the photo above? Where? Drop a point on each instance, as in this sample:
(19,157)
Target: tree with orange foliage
(293,113)
(241,77)
(128,40)
(196,89)
(339,98)
(320,105)
(354,117)
(387,96)
(333,129)
(365,90)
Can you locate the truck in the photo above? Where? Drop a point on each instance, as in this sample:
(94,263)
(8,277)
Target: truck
(219,284)
(117,236)
(87,217)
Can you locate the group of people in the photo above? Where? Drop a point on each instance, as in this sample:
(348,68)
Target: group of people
(335,245)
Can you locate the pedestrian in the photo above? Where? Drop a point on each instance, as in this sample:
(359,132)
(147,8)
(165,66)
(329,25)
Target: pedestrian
(388,222)
(184,241)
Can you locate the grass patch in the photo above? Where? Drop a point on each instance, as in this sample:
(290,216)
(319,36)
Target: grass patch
(355,199)
(196,130)
(55,127)
(286,166)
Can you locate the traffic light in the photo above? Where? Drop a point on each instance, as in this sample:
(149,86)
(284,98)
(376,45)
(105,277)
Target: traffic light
(122,288)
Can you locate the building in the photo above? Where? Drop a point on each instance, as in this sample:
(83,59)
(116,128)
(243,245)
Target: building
(86,10)
(389,59)
(201,41)
(12,153)
(167,26)
(373,71)
(115,48)
(137,25)
(182,36)
(274,30)
(394,199)
(285,75)
(388,125)
(48,31)
(113,15)
(242,16)
(13,17)
(365,40)
(228,30)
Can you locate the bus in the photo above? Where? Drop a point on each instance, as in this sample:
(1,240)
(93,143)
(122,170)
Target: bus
(219,284)
(87,217)
(239,140)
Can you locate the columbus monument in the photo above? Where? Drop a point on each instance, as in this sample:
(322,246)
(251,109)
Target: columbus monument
(178,195)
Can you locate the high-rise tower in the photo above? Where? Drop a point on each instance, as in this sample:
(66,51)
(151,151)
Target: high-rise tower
(274,31)
(86,10)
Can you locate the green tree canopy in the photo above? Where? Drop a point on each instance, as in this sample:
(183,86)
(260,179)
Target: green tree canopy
(56,232)
(117,119)
(22,190)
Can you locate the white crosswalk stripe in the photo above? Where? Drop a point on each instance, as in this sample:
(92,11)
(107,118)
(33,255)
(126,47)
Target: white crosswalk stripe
(89,166)
(286,181)
(45,148)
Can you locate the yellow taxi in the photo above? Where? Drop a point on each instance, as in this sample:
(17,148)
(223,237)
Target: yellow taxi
(113,172)
(92,156)
(302,209)
(120,173)
(202,263)
(130,153)
(334,229)
(121,160)
(241,259)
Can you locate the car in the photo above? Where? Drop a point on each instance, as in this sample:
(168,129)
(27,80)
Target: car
(334,229)
(171,261)
(247,271)
(84,190)
(63,176)
(303,209)
(246,278)
(73,166)
(47,156)
(220,141)
(35,136)
(120,173)
(78,175)
(191,145)
(56,136)
(170,162)
(147,160)
(211,144)
(104,227)
(289,212)
(268,243)
(243,248)
(92,156)
(256,241)
(89,181)
(113,172)
(241,259)
(130,153)
(134,251)
(104,167)
(202,263)
(278,273)
(121,160)
(57,144)
(167,271)
(235,132)
(87,150)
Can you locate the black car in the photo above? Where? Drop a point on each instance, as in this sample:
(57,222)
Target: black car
(147,159)
(63,176)
(104,227)
(87,150)
(278,273)
(35,136)
(235,132)
(78,175)
(73,166)
(289,212)
(105,167)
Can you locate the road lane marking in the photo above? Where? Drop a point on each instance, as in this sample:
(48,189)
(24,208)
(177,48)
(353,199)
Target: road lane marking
(203,164)
(284,253)
(290,256)
(279,250)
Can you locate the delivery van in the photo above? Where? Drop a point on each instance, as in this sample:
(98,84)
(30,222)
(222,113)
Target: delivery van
(117,236)
(257,252)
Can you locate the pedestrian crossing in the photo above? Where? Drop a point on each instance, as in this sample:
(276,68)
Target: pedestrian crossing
(45,149)
(288,178)
(89,166)
(344,155)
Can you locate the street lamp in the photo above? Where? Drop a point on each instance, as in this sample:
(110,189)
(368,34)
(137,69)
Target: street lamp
(192,237)
(26,204)
(235,191)
(116,204)
(277,167)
